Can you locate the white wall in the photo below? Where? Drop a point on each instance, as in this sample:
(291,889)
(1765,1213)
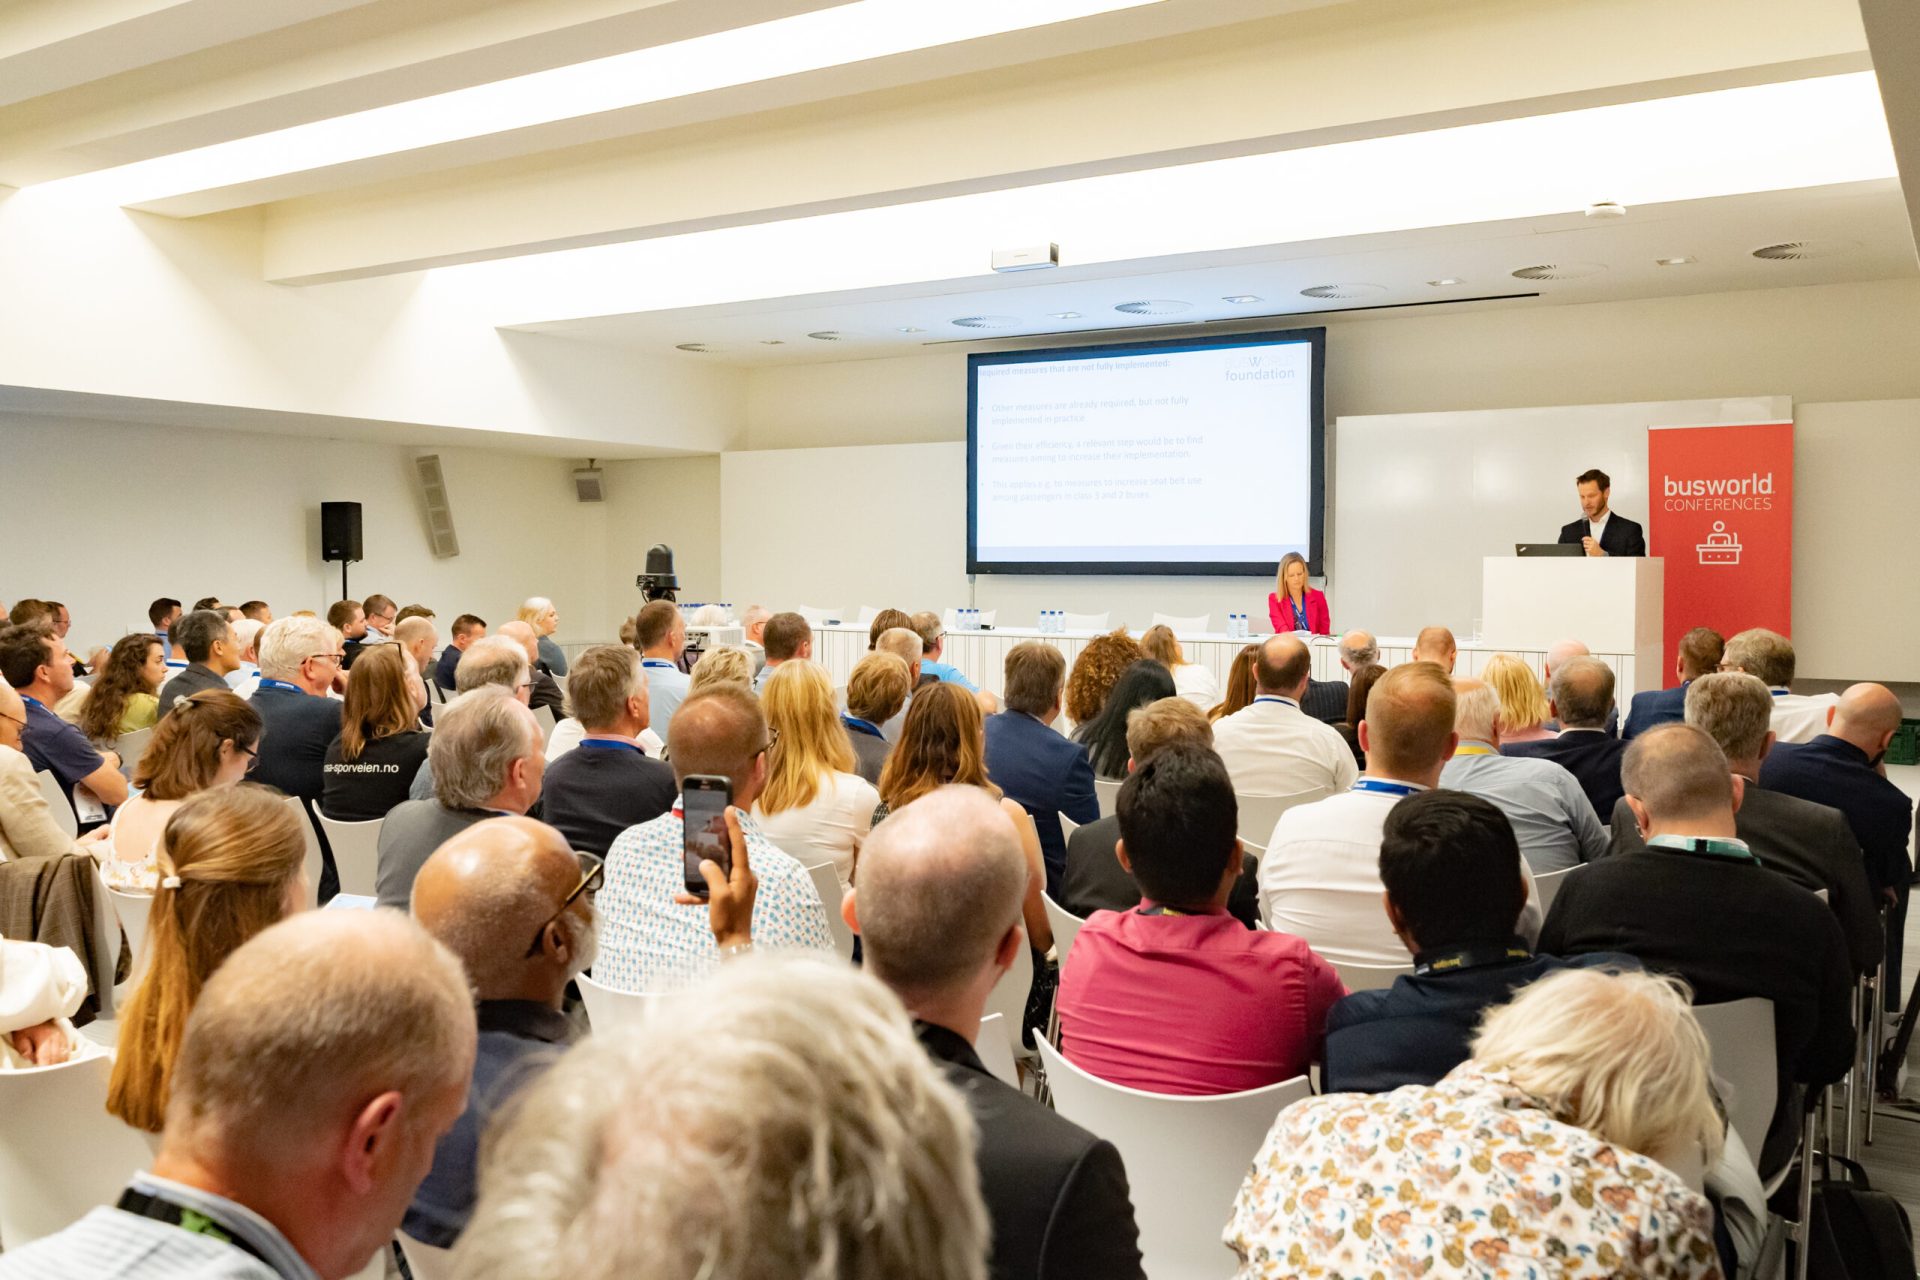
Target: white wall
(670,500)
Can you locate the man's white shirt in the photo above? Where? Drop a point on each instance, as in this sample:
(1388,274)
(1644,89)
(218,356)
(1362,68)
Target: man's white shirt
(1801,717)
(1273,748)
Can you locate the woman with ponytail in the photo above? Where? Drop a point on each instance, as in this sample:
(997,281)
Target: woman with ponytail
(234,862)
(209,740)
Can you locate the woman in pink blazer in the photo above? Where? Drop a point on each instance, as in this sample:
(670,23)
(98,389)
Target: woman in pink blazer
(1295,606)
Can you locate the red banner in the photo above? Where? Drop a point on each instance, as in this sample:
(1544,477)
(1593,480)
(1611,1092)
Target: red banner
(1721,513)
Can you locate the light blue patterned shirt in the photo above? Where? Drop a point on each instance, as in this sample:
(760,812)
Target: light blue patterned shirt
(112,1244)
(648,942)
(666,689)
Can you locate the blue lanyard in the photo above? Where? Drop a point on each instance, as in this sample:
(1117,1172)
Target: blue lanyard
(610,744)
(268,682)
(1382,787)
(860,726)
(1299,611)
(1779,693)
(33,702)
(1274,697)
(658,662)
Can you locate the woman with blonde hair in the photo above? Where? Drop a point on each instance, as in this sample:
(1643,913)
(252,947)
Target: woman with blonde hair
(725,664)
(381,746)
(1240,684)
(1095,671)
(944,741)
(814,806)
(538,612)
(1295,606)
(125,697)
(235,863)
(1191,681)
(1523,703)
(209,740)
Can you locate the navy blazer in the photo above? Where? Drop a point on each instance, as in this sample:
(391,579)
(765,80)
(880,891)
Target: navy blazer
(1047,775)
(296,730)
(1592,756)
(1832,771)
(1621,537)
(1656,706)
(1325,700)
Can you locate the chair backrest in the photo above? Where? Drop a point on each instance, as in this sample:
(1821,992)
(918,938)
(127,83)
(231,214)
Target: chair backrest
(1066,926)
(131,746)
(1368,977)
(356,852)
(1196,625)
(132,910)
(611,1010)
(866,615)
(316,862)
(545,718)
(816,617)
(1087,621)
(58,802)
(424,1260)
(1740,1039)
(1260,814)
(1107,792)
(61,1154)
(1547,887)
(826,883)
(1009,995)
(1185,1156)
(995,1047)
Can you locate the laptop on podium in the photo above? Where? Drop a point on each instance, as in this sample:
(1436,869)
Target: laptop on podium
(1548,549)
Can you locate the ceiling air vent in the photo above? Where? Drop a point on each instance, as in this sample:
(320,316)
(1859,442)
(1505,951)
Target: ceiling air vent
(700,348)
(1559,271)
(1155,307)
(828,335)
(988,322)
(1801,250)
(1343,291)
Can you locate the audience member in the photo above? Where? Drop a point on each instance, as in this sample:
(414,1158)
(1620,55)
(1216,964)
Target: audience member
(1697,904)
(487,761)
(946,742)
(31,612)
(886,620)
(1451,866)
(1191,681)
(1095,879)
(35,662)
(350,620)
(905,645)
(1358,649)
(721,664)
(28,828)
(938,913)
(660,633)
(245,678)
(877,692)
(650,942)
(542,689)
(259,611)
(500,661)
(933,648)
(412,611)
(1524,709)
(1105,736)
(753,630)
(420,638)
(207,640)
(813,806)
(210,742)
(209,602)
(382,612)
(1808,843)
(41,988)
(1240,687)
(607,784)
(1701,650)
(1271,747)
(162,613)
(318,1070)
(1436,645)
(1552,1151)
(124,697)
(1768,656)
(482,895)
(784,637)
(1095,671)
(1550,815)
(299,657)
(371,764)
(779,1121)
(1364,678)
(1320,877)
(1044,773)
(538,612)
(1176,996)
(234,862)
(1582,699)
(465,630)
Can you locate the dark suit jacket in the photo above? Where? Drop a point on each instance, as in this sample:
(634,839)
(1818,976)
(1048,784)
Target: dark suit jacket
(1056,1195)
(1045,774)
(1656,706)
(1590,755)
(195,679)
(1732,929)
(1621,537)
(443,669)
(546,693)
(296,730)
(1095,880)
(1832,771)
(593,793)
(1807,843)
(1325,700)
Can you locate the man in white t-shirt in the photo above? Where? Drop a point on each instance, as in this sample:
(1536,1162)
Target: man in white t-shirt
(1768,655)
(1273,748)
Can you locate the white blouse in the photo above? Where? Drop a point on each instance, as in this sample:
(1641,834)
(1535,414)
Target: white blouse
(1196,684)
(830,829)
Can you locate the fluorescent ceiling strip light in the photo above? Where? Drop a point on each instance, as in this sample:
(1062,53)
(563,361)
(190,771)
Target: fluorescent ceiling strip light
(1803,133)
(847,33)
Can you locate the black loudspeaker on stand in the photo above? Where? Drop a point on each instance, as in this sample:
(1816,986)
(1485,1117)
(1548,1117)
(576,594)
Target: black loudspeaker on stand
(340,537)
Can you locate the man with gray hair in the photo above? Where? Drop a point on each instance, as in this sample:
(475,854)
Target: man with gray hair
(483,894)
(1697,904)
(299,659)
(937,907)
(1357,649)
(1808,843)
(487,760)
(322,1062)
(905,645)
(1326,700)
(607,783)
(489,662)
(1581,695)
(1768,657)
(542,690)
(206,638)
(1550,815)
(753,630)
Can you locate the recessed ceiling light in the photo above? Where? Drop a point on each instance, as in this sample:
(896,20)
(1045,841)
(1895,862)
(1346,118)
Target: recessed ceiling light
(1064,315)
(988,322)
(1155,307)
(1344,290)
(1681,261)
(1241,298)
(1559,271)
(1445,281)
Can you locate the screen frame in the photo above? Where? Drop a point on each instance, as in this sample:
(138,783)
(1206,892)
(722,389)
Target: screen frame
(1315,337)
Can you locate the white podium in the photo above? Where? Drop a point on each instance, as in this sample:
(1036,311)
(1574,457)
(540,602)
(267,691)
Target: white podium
(1613,604)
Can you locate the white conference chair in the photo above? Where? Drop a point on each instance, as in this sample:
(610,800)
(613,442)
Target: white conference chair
(611,1010)
(61,1153)
(1185,1156)
(132,910)
(424,1260)
(1086,621)
(995,1047)
(1260,814)
(816,617)
(356,853)
(866,616)
(1740,1042)
(826,883)
(547,721)
(1547,887)
(1009,996)
(1108,794)
(1066,926)
(57,802)
(316,861)
(1196,625)
(1368,977)
(130,747)
(1067,827)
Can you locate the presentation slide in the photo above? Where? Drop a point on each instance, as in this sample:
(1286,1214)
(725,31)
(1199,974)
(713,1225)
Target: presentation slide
(1163,458)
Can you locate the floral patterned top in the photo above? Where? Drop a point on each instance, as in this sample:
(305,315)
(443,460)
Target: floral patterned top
(1470,1176)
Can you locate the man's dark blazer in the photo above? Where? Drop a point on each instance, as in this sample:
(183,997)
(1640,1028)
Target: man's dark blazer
(1621,537)
(1055,1194)
(1656,706)
(197,678)
(443,669)
(1325,700)
(295,731)
(1095,880)
(1811,845)
(1592,756)
(1833,771)
(1047,775)
(546,693)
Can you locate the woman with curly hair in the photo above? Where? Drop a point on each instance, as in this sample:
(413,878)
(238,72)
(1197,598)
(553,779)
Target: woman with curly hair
(1095,671)
(125,698)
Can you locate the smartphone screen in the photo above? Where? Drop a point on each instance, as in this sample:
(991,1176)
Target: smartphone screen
(704,799)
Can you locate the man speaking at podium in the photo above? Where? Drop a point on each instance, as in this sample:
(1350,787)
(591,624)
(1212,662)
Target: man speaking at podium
(1602,532)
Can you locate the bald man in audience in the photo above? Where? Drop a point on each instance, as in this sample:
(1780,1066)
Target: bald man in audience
(1320,876)
(937,907)
(1551,817)
(483,894)
(1768,656)
(323,1061)
(544,690)
(1561,653)
(1436,645)
(1697,904)
(1581,695)
(1271,746)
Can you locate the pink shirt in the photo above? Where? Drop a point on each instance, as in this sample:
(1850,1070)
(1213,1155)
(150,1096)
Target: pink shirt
(1192,1004)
